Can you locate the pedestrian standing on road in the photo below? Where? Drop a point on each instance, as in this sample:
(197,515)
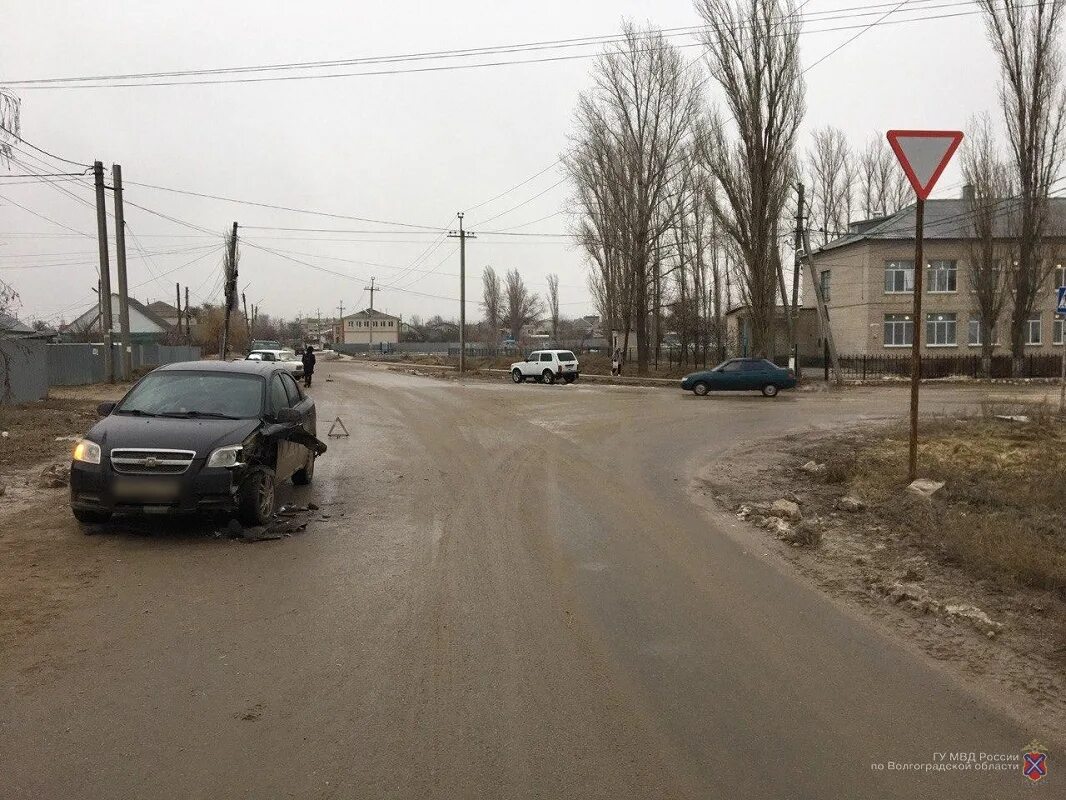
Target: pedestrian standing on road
(309,365)
(616,362)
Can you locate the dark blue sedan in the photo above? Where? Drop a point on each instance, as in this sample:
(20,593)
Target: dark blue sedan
(741,374)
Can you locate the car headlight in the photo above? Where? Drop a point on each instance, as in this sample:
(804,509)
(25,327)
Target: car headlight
(86,451)
(229,456)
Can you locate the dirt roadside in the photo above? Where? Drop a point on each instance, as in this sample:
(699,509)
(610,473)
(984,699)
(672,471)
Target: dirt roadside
(973,581)
(39,570)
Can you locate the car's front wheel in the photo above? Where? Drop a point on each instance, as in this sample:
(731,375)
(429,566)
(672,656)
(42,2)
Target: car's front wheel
(770,390)
(88,516)
(256,503)
(700,388)
(517,376)
(549,376)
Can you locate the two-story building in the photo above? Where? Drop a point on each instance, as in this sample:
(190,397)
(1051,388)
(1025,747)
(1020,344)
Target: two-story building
(368,327)
(867,277)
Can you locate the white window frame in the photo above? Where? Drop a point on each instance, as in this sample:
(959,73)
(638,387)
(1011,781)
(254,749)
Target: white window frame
(1056,329)
(899,265)
(825,280)
(946,268)
(975,341)
(1060,276)
(900,321)
(1029,342)
(950,321)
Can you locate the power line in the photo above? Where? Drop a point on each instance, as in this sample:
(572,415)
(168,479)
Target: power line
(19,138)
(285,208)
(74,83)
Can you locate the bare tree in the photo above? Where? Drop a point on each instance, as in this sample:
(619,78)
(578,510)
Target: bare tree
(523,307)
(831,175)
(631,130)
(988,179)
(753,52)
(553,304)
(1025,37)
(883,188)
(492,300)
(10,107)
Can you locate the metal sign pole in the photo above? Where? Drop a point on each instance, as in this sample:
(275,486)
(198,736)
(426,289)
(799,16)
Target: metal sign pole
(916,338)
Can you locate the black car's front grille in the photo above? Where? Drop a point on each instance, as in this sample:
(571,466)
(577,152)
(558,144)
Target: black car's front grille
(137,461)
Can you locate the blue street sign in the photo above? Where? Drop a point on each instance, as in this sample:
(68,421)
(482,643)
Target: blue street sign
(1062,301)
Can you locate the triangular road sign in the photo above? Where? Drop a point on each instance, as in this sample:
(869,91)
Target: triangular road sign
(923,155)
(332,429)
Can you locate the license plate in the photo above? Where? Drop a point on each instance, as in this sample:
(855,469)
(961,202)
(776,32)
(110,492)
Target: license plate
(568,367)
(157,490)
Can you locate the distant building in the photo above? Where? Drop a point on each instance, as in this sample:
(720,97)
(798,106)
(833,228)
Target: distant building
(145,325)
(170,315)
(739,333)
(867,278)
(11,327)
(369,327)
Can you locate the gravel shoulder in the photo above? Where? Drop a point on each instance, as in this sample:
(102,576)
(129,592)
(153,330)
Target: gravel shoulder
(995,619)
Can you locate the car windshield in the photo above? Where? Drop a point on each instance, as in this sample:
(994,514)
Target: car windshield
(196,394)
(567,356)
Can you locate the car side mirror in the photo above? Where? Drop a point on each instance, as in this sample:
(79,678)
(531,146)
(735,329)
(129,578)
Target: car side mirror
(287,415)
(105,408)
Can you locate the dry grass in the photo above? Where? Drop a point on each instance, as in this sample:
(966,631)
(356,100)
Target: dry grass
(1000,515)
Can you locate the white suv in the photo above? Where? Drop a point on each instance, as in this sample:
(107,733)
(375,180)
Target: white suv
(546,366)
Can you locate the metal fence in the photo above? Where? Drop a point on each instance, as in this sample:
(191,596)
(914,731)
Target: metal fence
(877,367)
(79,364)
(32,367)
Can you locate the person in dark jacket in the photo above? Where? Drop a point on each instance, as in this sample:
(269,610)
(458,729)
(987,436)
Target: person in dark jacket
(309,365)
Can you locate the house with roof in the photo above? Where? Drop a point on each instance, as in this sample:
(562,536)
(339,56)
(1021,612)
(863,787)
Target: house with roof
(368,327)
(11,327)
(867,278)
(172,316)
(145,325)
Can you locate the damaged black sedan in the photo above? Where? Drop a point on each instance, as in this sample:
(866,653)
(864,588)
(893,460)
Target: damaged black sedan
(197,436)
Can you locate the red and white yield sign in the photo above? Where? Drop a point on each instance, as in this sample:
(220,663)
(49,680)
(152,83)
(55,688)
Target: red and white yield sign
(923,155)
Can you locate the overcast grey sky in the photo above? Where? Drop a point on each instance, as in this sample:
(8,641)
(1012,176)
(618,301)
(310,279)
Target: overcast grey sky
(411,147)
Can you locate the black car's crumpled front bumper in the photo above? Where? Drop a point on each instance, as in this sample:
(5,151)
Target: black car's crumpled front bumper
(99,487)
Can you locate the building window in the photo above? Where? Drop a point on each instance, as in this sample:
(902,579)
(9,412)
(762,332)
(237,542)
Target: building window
(825,276)
(974,337)
(899,330)
(899,276)
(941,276)
(1058,329)
(940,330)
(1060,275)
(1032,330)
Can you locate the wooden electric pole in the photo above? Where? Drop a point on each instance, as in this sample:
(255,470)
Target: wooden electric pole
(247,319)
(462,235)
(177,299)
(120,260)
(105,272)
(186,315)
(797,265)
(230,289)
(823,312)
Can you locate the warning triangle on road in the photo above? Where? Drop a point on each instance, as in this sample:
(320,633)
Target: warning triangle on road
(333,428)
(923,155)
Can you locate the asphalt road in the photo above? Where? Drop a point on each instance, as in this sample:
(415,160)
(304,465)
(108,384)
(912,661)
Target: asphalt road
(520,600)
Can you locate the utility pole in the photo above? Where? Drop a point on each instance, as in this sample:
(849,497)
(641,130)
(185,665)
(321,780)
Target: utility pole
(123,292)
(231,290)
(186,315)
(796,267)
(177,298)
(462,236)
(340,324)
(105,272)
(247,319)
(370,322)
(823,312)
